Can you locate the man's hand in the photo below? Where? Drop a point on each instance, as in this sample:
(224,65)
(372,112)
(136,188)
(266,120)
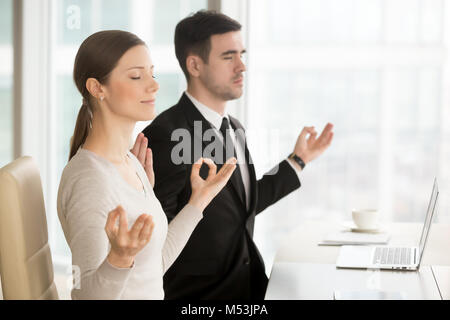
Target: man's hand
(310,148)
(144,156)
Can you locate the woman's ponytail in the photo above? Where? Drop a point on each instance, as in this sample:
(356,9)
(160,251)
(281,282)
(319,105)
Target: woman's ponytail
(82,127)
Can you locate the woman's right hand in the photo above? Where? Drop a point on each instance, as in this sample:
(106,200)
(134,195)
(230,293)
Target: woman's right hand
(125,244)
(203,191)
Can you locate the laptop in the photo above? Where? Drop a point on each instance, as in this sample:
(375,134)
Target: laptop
(389,257)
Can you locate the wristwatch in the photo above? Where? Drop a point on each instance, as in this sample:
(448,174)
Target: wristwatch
(297,159)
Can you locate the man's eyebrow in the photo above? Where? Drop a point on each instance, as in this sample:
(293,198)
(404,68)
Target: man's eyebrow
(141,67)
(232,52)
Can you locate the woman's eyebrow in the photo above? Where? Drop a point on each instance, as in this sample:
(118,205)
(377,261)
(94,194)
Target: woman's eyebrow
(140,67)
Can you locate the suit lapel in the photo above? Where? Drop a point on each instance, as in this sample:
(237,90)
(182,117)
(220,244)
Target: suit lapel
(195,118)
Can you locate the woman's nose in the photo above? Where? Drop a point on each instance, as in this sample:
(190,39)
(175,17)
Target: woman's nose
(153,85)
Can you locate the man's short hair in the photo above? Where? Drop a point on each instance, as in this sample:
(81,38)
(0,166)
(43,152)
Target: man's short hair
(193,34)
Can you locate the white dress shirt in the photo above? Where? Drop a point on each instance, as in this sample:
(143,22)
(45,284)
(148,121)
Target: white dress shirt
(215,119)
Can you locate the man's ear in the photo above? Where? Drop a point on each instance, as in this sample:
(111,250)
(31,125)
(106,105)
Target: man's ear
(95,88)
(194,65)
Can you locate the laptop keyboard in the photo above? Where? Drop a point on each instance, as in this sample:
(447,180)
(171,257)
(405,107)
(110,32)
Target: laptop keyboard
(389,255)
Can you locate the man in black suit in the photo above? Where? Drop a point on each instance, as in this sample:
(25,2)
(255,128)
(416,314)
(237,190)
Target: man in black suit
(220,260)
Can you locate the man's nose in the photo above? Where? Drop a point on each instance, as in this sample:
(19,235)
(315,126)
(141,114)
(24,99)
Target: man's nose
(241,65)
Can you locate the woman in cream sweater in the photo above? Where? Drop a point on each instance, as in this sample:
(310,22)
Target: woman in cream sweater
(115,226)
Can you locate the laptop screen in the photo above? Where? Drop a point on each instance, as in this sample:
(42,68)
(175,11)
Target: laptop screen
(428,219)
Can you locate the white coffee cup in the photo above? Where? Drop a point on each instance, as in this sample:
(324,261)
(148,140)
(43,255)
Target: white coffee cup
(365,218)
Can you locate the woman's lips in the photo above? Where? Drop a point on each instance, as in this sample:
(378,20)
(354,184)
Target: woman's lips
(149,102)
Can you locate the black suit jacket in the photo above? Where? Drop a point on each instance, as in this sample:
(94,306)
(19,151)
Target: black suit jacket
(220,259)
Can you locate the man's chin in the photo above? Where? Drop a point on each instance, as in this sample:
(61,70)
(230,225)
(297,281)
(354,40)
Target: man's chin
(233,95)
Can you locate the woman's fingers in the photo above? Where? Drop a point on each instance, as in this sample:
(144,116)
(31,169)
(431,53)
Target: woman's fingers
(212,168)
(227,169)
(143,151)
(149,159)
(123,222)
(128,243)
(147,230)
(196,167)
(140,149)
(137,144)
(137,226)
(111,222)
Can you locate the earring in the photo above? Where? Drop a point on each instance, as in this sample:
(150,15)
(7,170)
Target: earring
(101,98)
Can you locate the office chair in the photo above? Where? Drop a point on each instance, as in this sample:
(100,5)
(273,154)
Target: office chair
(26,267)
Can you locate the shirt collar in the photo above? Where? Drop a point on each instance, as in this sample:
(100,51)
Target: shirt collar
(209,114)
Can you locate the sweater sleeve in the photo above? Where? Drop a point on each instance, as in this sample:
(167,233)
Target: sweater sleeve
(85,204)
(179,231)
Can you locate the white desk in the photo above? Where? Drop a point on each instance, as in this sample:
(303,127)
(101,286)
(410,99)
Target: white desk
(314,275)
(301,244)
(442,275)
(310,281)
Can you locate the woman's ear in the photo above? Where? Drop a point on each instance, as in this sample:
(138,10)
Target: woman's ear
(194,65)
(95,88)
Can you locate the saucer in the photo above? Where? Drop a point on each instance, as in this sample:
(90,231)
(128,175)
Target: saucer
(354,228)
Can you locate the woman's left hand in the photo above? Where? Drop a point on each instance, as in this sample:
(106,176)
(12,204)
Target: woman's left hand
(145,156)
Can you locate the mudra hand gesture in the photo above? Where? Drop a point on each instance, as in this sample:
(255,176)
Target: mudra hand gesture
(203,191)
(145,156)
(125,244)
(310,148)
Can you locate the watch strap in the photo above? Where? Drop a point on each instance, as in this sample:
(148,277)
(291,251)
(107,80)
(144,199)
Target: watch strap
(297,159)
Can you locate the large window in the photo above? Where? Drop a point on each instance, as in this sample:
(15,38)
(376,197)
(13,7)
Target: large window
(6,80)
(376,69)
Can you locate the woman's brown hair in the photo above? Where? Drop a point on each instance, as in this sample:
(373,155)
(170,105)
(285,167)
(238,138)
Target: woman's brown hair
(97,56)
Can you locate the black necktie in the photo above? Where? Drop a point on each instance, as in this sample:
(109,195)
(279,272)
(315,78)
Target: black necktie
(230,151)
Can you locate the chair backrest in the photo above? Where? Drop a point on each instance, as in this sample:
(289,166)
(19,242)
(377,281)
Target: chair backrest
(26,267)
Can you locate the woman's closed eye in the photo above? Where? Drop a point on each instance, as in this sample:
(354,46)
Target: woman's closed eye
(139,77)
